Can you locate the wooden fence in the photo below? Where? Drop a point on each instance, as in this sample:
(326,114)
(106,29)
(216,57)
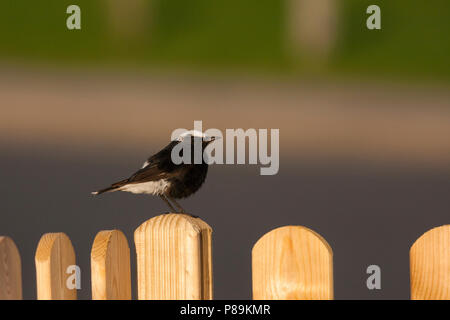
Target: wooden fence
(174,261)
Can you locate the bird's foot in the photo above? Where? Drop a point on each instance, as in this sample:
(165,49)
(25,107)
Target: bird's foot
(188,214)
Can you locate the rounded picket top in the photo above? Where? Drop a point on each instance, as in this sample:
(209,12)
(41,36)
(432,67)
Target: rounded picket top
(430,265)
(174,259)
(54,258)
(10,270)
(292,263)
(110,266)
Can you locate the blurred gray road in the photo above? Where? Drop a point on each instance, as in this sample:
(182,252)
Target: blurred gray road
(369,216)
(365,165)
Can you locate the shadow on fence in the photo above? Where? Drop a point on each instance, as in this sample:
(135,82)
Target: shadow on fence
(174,261)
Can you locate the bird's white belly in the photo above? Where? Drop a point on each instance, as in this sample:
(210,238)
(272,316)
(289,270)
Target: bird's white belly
(151,187)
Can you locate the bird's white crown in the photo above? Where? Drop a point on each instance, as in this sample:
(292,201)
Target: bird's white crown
(193,133)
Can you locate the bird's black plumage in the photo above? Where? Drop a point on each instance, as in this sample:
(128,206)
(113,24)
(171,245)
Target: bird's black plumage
(161,176)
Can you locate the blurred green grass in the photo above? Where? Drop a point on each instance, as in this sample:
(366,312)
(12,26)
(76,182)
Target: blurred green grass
(414,39)
(244,35)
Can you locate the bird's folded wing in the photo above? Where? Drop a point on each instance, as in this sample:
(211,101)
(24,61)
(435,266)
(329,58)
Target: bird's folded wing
(153,172)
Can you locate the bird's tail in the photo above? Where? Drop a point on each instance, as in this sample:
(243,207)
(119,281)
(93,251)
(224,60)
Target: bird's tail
(113,187)
(109,189)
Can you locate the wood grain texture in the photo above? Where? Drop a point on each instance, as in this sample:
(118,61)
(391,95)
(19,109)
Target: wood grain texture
(53,255)
(430,265)
(10,270)
(292,263)
(174,258)
(110,266)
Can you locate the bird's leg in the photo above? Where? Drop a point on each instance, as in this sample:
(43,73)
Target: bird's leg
(168,203)
(181,208)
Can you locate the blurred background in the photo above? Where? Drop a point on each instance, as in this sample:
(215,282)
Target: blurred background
(364,119)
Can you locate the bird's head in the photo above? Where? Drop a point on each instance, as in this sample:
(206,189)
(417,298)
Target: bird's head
(194,135)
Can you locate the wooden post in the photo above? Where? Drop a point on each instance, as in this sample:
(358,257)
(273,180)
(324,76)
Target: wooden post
(10,270)
(130,19)
(110,266)
(53,255)
(312,26)
(430,265)
(292,263)
(174,258)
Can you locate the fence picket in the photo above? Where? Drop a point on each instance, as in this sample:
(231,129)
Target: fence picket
(174,258)
(174,261)
(110,266)
(292,263)
(10,270)
(430,265)
(53,255)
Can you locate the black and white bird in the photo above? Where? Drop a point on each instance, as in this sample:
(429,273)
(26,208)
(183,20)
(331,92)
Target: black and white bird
(162,177)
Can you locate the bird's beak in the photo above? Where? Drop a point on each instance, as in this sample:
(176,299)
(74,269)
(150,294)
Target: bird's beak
(211,139)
